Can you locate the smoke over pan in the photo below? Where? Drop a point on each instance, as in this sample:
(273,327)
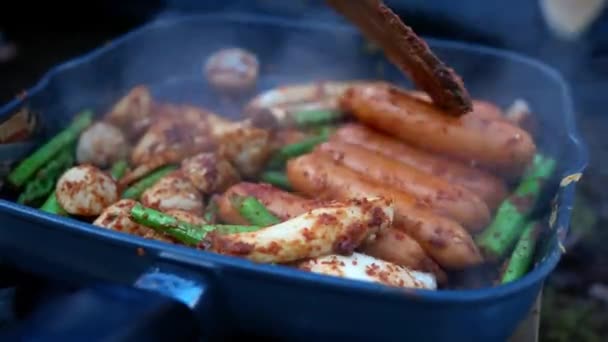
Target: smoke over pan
(169,55)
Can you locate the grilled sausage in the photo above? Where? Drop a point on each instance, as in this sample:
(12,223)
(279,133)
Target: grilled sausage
(391,245)
(443,198)
(282,204)
(444,240)
(495,145)
(481,108)
(396,246)
(487,186)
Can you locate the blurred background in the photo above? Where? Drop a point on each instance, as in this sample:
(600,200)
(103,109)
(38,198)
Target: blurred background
(570,35)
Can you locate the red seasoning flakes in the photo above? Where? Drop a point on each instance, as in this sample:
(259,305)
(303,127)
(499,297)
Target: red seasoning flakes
(174,191)
(117,217)
(366,268)
(332,229)
(85,190)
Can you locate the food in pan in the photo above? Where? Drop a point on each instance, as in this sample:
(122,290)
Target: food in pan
(358,179)
(232,70)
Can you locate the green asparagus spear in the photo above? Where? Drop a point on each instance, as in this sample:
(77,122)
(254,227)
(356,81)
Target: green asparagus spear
(118,169)
(297,149)
(187,233)
(522,254)
(52,206)
(28,167)
(276,178)
(39,187)
(210,215)
(509,220)
(325,130)
(313,117)
(234,228)
(135,190)
(253,211)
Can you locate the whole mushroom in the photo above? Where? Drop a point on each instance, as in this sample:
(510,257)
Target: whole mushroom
(85,190)
(101,145)
(232,70)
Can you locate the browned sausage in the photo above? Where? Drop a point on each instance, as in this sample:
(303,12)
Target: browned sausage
(481,108)
(487,186)
(443,198)
(317,174)
(396,246)
(495,145)
(281,203)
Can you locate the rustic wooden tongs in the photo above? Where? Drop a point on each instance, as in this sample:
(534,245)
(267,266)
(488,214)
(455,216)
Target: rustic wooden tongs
(408,52)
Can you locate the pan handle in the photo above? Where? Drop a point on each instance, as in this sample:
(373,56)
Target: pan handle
(166,303)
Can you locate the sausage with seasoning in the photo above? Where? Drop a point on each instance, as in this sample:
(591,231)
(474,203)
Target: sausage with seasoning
(391,244)
(487,186)
(282,204)
(443,198)
(482,109)
(495,145)
(444,240)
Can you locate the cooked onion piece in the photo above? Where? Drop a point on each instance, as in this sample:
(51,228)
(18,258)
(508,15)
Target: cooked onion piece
(337,228)
(363,267)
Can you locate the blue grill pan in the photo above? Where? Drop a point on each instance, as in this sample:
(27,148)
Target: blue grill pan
(232,294)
